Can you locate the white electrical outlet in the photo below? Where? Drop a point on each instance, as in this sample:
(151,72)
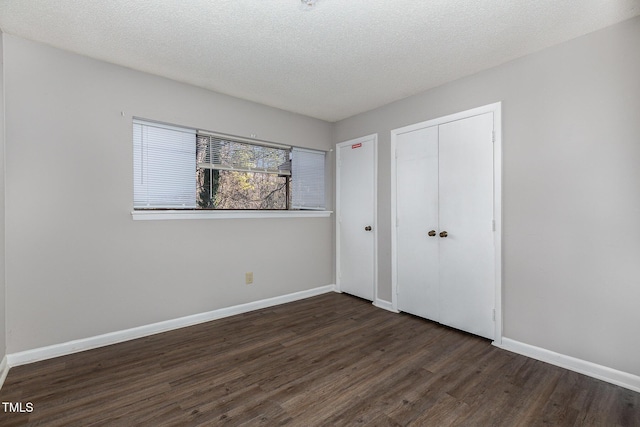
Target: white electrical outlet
(248,278)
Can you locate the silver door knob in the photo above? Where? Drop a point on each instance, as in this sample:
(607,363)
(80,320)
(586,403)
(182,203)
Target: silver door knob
(432,233)
(367,228)
(444,234)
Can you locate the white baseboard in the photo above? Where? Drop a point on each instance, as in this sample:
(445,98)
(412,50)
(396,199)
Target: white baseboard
(613,376)
(4,370)
(63,349)
(385,305)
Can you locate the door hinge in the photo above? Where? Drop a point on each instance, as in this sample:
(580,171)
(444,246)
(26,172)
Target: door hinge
(493,224)
(494,314)
(493,136)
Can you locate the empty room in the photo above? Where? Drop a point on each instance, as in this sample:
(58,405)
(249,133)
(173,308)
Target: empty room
(319,212)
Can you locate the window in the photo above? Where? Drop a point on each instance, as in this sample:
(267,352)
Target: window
(179,168)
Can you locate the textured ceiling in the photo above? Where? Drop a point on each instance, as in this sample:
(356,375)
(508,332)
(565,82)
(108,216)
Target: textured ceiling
(336,60)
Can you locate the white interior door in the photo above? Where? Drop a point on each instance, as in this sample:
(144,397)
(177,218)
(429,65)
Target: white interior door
(355,185)
(444,184)
(416,219)
(467,268)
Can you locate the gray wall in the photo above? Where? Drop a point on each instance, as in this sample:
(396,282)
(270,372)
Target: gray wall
(3,340)
(571,195)
(77,264)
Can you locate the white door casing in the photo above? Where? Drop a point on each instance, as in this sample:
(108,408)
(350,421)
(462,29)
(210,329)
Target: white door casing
(468,199)
(356,227)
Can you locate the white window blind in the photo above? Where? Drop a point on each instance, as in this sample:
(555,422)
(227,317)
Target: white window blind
(164,166)
(307,180)
(217,152)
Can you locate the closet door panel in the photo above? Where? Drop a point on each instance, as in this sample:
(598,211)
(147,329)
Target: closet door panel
(417,214)
(467,275)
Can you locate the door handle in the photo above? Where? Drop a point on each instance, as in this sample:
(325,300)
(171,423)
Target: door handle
(367,228)
(444,234)
(432,233)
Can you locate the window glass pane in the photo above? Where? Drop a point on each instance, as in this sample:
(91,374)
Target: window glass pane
(227,189)
(239,175)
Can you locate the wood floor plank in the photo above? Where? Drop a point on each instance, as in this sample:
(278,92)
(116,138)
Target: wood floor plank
(331,360)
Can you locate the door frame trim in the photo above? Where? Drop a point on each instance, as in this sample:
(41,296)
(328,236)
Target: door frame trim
(373,138)
(496,109)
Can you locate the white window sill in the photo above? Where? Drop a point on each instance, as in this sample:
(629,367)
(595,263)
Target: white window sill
(146,215)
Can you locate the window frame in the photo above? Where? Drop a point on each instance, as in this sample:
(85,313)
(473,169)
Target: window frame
(165,213)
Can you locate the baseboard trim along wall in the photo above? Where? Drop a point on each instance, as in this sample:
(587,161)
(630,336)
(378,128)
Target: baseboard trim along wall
(613,376)
(4,370)
(63,349)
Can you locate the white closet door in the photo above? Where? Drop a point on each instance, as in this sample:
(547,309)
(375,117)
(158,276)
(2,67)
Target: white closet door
(467,265)
(356,210)
(417,214)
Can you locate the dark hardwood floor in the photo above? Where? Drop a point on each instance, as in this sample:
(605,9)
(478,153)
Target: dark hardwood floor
(329,360)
